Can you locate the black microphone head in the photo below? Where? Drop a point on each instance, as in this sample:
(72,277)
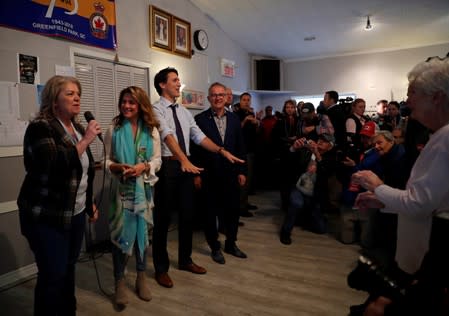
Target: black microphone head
(88,116)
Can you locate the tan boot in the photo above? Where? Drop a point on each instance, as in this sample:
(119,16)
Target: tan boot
(121,293)
(142,286)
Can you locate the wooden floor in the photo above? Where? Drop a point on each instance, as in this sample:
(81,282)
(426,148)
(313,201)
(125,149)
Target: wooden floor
(307,277)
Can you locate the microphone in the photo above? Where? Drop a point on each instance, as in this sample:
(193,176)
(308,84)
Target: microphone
(89,117)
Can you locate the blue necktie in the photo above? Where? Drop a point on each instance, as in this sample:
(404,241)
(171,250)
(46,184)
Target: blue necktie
(179,133)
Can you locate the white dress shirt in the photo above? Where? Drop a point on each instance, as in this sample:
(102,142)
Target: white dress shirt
(167,125)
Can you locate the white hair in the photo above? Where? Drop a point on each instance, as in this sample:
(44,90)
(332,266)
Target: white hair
(431,76)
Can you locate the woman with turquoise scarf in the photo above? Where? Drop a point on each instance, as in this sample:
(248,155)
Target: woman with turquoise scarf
(133,156)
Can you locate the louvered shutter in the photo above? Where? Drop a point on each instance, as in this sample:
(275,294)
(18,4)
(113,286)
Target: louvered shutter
(101,83)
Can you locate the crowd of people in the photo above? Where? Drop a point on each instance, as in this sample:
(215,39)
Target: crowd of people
(327,160)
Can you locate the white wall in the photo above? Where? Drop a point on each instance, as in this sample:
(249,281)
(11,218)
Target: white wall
(370,76)
(204,67)
(275,100)
(133,35)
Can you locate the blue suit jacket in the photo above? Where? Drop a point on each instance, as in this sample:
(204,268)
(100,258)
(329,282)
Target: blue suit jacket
(215,163)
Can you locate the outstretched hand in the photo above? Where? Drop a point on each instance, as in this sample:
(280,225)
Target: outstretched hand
(231,157)
(187,166)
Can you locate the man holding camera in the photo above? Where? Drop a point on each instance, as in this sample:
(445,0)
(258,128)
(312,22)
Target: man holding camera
(313,123)
(322,153)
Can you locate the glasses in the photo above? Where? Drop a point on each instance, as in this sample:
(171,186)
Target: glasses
(217,95)
(437,57)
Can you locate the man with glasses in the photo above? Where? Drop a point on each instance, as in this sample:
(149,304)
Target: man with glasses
(174,190)
(221,179)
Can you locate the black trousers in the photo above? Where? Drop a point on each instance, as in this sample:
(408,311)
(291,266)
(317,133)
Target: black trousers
(221,192)
(173,192)
(430,294)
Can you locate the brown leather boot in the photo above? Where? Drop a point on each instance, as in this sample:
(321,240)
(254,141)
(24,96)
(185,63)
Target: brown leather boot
(121,293)
(142,286)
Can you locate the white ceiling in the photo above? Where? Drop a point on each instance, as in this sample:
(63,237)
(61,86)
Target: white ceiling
(277,28)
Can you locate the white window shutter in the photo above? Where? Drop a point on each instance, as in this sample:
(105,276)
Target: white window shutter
(106,102)
(85,72)
(97,85)
(122,79)
(131,76)
(101,83)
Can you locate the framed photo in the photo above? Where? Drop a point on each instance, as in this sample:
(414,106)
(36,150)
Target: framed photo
(28,68)
(227,68)
(182,43)
(161,29)
(193,99)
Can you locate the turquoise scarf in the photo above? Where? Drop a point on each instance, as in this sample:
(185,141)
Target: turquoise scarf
(130,210)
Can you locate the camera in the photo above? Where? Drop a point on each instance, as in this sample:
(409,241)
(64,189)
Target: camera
(307,142)
(371,278)
(340,155)
(346,104)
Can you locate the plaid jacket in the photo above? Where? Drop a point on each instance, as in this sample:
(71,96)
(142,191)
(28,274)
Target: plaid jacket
(53,173)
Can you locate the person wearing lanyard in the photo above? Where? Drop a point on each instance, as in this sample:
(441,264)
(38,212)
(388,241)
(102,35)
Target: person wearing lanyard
(175,188)
(56,193)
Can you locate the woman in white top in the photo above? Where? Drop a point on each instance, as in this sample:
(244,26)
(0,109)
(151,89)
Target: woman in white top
(426,196)
(133,156)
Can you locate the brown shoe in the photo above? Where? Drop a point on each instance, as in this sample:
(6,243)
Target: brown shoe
(142,286)
(192,267)
(164,279)
(121,293)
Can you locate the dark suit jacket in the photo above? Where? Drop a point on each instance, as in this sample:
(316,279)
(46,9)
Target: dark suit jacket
(213,163)
(337,117)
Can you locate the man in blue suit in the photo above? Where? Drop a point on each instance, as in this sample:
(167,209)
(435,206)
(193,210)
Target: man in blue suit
(220,179)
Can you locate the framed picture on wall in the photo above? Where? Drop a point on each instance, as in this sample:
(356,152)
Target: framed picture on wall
(161,29)
(182,43)
(193,99)
(227,68)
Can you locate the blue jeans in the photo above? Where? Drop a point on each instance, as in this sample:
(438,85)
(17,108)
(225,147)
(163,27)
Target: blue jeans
(120,259)
(56,252)
(296,203)
(305,206)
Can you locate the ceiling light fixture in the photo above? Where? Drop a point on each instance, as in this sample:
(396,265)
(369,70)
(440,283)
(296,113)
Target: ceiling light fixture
(309,38)
(368,26)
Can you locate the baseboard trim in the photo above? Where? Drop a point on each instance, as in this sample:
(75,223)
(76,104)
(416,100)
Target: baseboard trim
(17,276)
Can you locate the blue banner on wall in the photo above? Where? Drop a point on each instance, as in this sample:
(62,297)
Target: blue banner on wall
(91,22)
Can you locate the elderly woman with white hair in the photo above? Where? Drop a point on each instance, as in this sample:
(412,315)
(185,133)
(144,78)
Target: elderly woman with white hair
(423,207)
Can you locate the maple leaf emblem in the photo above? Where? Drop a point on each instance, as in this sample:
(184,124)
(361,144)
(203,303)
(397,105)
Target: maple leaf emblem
(99,24)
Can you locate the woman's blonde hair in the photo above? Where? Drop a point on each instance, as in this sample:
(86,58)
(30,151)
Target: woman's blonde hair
(50,94)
